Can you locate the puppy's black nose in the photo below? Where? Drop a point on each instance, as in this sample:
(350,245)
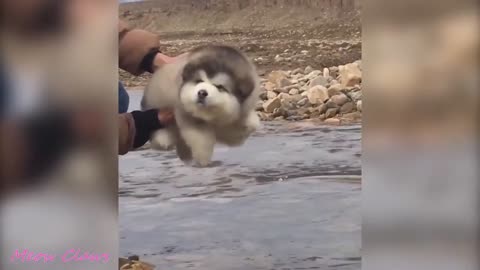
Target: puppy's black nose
(202,93)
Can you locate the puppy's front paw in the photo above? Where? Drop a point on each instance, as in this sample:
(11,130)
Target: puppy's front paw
(202,161)
(163,140)
(252,122)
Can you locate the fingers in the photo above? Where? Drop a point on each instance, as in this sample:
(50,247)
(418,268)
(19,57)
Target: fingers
(166,117)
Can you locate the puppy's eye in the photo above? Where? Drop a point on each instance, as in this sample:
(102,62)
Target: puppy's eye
(221,88)
(199,81)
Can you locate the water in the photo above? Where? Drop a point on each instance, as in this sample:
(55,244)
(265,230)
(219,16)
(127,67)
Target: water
(288,199)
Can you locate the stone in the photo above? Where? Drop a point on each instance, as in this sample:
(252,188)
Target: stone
(333,121)
(317,94)
(259,106)
(330,104)
(271,95)
(284,96)
(294,92)
(339,99)
(332,112)
(320,80)
(320,109)
(359,106)
(308,70)
(302,102)
(284,82)
(287,89)
(347,107)
(278,58)
(334,90)
(312,75)
(272,104)
(354,116)
(279,112)
(350,75)
(269,86)
(297,71)
(263,95)
(275,77)
(296,98)
(356,95)
(326,72)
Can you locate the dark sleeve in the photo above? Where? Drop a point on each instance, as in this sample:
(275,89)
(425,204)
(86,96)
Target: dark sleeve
(136,128)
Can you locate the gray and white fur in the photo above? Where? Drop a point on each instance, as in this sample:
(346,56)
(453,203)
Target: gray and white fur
(213,92)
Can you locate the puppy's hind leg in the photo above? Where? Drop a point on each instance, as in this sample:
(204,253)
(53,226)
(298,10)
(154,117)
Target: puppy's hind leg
(252,123)
(164,139)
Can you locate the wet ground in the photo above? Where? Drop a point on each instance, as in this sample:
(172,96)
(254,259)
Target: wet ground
(288,199)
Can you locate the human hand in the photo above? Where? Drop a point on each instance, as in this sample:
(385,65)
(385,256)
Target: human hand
(166,117)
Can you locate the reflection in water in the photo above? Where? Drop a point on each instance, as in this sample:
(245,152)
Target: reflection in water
(288,199)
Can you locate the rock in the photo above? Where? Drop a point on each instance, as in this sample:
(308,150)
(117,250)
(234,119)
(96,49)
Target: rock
(312,75)
(320,80)
(294,92)
(350,75)
(304,52)
(278,58)
(320,109)
(279,118)
(269,86)
(287,89)
(297,71)
(259,106)
(272,104)
(284,96)
(326,72)
(308,70)
(347,108)
(334,90)
(354,116)
(332,112)
(339,99)
(271,95)
(276,77)
(263,95)
(284,82)
(356,96)
(279,112)
(302,102)
(359,106)
(333,121)
(296,98)
(330,104)
(317,94)
(265,116)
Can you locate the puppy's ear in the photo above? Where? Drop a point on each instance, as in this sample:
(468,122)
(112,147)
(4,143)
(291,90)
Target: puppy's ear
(244,88)
(188,72)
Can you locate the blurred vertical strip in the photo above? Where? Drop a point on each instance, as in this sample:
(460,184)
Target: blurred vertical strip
(420,148)
(58,134)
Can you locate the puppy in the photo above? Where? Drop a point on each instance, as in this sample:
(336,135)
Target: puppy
(213,91)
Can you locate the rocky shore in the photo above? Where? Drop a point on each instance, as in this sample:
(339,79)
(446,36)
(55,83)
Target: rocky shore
(332,95)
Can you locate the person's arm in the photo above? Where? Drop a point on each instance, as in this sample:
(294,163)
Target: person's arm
(139,50)
(136,128)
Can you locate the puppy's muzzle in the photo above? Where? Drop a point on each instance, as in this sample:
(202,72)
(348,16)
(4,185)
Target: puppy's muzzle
(202,96)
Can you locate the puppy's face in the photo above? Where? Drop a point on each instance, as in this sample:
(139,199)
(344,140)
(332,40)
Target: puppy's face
(216,82)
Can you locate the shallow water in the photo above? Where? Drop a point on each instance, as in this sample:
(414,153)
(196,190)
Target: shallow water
(288,199)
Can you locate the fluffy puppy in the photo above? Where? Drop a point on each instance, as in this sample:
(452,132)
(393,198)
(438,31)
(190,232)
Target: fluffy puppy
(213,91)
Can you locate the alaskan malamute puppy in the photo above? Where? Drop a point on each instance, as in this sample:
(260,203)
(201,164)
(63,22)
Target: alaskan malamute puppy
(214,91)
